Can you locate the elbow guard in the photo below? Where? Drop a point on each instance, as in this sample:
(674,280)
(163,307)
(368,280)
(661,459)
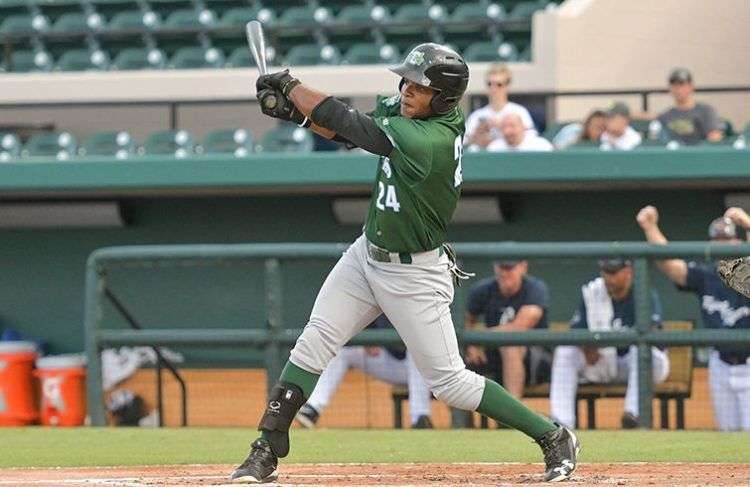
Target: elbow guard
(352,125)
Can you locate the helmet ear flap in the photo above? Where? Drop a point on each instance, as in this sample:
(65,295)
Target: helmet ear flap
(401,84)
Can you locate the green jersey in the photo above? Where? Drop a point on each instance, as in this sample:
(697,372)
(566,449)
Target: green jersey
(418,185)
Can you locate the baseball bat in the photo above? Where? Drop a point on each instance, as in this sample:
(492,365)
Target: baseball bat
(257,44)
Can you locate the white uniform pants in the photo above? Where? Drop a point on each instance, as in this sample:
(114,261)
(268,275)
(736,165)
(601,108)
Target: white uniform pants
(730,393)
(383,366)
(415,298)
(568,365)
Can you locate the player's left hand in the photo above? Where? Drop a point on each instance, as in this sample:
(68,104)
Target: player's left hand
(283,110)
(281,80)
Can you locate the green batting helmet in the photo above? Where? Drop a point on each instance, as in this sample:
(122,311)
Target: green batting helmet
(437,67)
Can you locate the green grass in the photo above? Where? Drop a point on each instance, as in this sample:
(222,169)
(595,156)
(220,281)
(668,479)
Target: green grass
(45,447)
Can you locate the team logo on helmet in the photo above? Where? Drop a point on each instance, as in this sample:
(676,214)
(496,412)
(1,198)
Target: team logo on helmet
(416,58)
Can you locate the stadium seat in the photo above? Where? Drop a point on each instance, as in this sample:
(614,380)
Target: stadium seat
(640,126)
(10,147)
(221,7)
(190,18)
(465,14)
(165,7)
(490,52)
(177,143)
(76,22)
(27,61)
(24,24)
(83,60)
(139,58)
(117,144)
(311,55)
(371,53)
(238,17)
(287,137)
(240,58)
(238,142)
(197,58)
(135,19)
(110,8)
(362,13)
(61,145)
(297,16)
(524,10)
(419,12)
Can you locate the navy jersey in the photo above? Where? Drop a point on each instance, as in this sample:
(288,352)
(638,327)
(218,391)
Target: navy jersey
(623,316)
(382,323)
(485,300)
(721,306)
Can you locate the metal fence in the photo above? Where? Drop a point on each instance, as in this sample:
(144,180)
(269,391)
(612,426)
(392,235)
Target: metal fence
(275,335)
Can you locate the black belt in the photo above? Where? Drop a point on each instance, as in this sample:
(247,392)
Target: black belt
(734,358)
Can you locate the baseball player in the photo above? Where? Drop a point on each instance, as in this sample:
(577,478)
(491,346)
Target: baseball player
(400,266)
(390,365)
(721,308)
(607,304)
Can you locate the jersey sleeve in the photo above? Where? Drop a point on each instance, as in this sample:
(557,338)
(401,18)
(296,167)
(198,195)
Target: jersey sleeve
(579,320)
(477,300)
(538,294)
(411,139)
(696,278)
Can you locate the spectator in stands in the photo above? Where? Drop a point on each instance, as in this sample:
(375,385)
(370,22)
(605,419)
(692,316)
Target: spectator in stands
(618,133)
(483,125)
(687,122)
(607,304)
(517,138)
(391,365)
(721,308)
(512,300)
(589,132)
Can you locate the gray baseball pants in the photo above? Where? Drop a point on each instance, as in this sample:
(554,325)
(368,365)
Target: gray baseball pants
(415,297)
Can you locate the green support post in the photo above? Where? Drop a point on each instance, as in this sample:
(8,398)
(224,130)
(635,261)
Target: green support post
(274,360)
(643,326)
(95,282)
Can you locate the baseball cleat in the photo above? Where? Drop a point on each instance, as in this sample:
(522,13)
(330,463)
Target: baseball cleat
(630,421)
(560,448)
(259,467)
(307,416)
(422,423)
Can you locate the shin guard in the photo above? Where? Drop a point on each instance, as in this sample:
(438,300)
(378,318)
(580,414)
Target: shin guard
(283,403)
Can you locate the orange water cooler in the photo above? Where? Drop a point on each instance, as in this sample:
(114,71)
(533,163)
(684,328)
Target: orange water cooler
(63,381)
(17,398)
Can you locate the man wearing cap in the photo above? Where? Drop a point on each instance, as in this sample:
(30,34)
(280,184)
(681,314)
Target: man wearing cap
(512,300)
(607,304)
(721,308)
(618,133)
(688,122)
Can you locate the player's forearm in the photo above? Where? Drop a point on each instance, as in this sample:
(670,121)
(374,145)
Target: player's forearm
(674,269)
(322,131)
(306,99)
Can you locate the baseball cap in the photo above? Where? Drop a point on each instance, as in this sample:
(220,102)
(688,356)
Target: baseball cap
(507,263)
(614,265)
(680,75)
(723,228)
(618,108)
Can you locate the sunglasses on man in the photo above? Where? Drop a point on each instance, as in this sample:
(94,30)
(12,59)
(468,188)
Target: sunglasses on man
(498,84)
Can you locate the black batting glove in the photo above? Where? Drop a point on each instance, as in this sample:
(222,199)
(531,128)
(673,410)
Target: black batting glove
(284,109)
(281,80)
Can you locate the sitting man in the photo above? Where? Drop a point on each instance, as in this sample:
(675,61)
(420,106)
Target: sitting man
(618,133)
(517,138)
(512,300)
(393,366)
(607,305)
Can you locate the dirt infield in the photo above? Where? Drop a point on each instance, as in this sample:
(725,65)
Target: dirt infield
(388,474)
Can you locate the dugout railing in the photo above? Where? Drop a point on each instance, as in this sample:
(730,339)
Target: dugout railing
(275,336)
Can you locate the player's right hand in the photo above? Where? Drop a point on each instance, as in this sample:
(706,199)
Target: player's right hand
(475,355)
(648,217)
(284,108)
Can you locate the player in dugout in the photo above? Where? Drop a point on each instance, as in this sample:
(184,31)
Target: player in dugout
(400,265)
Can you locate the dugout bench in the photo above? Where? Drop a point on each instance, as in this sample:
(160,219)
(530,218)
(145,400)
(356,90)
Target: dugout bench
(677,387)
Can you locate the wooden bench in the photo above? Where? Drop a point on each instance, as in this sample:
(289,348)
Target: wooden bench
(677,387)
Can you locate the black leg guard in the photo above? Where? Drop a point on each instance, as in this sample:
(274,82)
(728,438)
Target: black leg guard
(283,403)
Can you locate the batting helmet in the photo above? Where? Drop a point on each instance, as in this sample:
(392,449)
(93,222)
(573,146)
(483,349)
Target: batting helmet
(439,68)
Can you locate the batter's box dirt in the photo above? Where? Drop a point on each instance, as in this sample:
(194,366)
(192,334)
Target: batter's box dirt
(397,475)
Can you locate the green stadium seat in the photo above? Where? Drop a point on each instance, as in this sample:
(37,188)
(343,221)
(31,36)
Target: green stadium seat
(197,58)
(135,19)
(27,61)
(77,21)
(640,126)
(371,53)
(165,7)
(296,16)
(61,145)
(362,13)
(524,10)
(491,52)
(10,147)
(727,127)
(465,14)
(240,58)
(238,142)
(418,13)
(311,55)
(177,143)
(188,18)
(238,17)
(221,7)
(336,6)
(24,24)
(118,144)
(83,60)
(139,58)
(287,137)
(746,132)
